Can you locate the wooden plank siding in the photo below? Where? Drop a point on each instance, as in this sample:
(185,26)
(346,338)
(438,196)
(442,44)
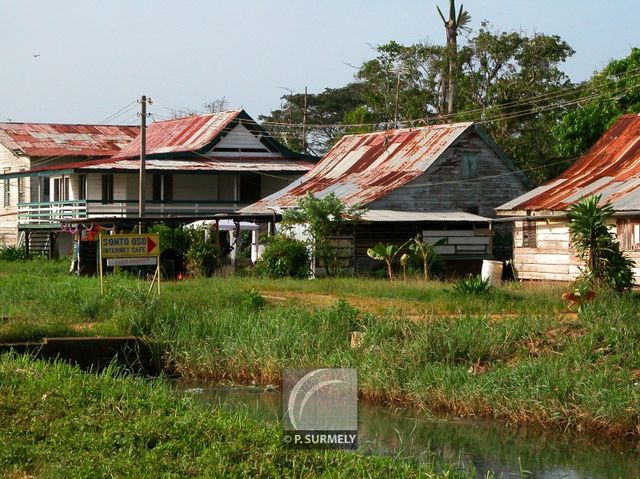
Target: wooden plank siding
(553,258)
(470,243)
(446,186)
(10,162)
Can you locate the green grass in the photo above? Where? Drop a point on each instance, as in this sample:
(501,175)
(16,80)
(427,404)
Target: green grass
(58,422)
(531,365)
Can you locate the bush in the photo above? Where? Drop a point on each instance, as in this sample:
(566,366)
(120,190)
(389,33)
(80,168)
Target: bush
(597,246)
(284,257)
(473,285)
(10,253)
(203,254)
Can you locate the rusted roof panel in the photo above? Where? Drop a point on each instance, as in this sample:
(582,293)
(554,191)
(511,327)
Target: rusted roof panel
(181,135)
(39,140)
(228,164)
(362,168)
(437,216)
(611,168)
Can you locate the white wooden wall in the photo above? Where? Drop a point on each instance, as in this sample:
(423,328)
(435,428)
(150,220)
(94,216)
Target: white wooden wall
(551,259)
(8,219)
(460,243)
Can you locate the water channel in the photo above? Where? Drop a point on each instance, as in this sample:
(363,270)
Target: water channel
(477,445)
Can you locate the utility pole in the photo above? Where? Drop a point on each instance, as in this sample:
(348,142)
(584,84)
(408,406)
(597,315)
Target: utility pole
(304,123)
(143,156)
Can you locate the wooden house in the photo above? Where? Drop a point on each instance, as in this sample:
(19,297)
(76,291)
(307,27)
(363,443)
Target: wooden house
(37,146)
(196,166)
(440,181)
(611,169)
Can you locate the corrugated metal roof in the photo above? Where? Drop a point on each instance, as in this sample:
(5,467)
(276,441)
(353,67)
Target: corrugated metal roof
(407,216)
(610,168)
(192,133)
(362,168)
(230,164)
(39,140)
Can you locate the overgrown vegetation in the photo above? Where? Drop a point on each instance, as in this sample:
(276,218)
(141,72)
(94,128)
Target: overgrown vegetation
(10,253)
(606,266)
(472,285)
(56,421)
(284,257)
(321,219)
(514,354)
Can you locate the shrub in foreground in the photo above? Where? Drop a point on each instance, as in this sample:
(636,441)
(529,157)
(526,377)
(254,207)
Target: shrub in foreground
(284,257)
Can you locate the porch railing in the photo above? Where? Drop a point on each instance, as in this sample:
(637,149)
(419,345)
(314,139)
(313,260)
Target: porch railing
(50,213)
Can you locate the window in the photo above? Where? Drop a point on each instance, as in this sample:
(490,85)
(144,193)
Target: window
(21,192)
(7,193)
(162,187)
(529,234)
(469,165)
(157,187)
(167,187)
(82,187)
(46,190)
(249,188)
(107,189)
(66,189)
(57,189)
(628,232)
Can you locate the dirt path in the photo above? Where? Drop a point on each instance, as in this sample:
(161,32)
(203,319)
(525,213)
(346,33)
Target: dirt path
(413,310)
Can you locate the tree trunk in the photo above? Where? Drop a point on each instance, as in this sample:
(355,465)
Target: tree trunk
(389,270)
(452,50)
(425,266)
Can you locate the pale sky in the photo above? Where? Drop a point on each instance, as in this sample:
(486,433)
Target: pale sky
(97,56)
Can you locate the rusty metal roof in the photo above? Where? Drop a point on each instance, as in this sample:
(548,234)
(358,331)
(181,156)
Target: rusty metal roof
(360,169)
(192,133)
(213,164)
(194,136)
(610,168)
(39,140)
(415,216)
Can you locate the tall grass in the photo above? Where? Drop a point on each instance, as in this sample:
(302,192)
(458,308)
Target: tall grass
(532,365)
(56,421)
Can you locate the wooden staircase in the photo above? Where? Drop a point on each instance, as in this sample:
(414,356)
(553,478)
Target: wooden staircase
(39,243)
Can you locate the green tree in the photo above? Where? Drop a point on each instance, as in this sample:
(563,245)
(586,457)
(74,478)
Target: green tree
(597,246)
(510,81)
(328,108)
(602,99)
(321,219)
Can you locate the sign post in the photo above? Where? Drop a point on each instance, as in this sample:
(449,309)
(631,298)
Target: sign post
(130,250)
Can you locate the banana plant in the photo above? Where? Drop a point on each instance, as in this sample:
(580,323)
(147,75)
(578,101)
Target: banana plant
(426,252)
(386,253)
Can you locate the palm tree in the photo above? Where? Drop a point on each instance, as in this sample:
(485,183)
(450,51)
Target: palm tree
(597,246)
(452,27)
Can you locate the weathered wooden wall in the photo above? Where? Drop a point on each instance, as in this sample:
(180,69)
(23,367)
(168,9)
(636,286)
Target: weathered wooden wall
(8,221)
(467,243)
(445,187)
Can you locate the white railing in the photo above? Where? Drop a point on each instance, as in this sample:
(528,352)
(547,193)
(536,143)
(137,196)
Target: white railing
(50,212)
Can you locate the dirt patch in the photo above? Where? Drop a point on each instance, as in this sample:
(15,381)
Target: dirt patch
(412,310)
(83,326)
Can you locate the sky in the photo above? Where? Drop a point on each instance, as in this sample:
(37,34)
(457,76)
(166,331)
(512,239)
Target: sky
(83,61)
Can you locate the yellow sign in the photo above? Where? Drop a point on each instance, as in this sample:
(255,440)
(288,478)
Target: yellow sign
(129,250)
(129,246)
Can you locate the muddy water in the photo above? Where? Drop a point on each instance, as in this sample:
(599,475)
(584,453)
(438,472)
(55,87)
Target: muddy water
(481,446)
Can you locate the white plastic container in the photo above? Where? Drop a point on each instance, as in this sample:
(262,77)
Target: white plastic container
(492,271)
